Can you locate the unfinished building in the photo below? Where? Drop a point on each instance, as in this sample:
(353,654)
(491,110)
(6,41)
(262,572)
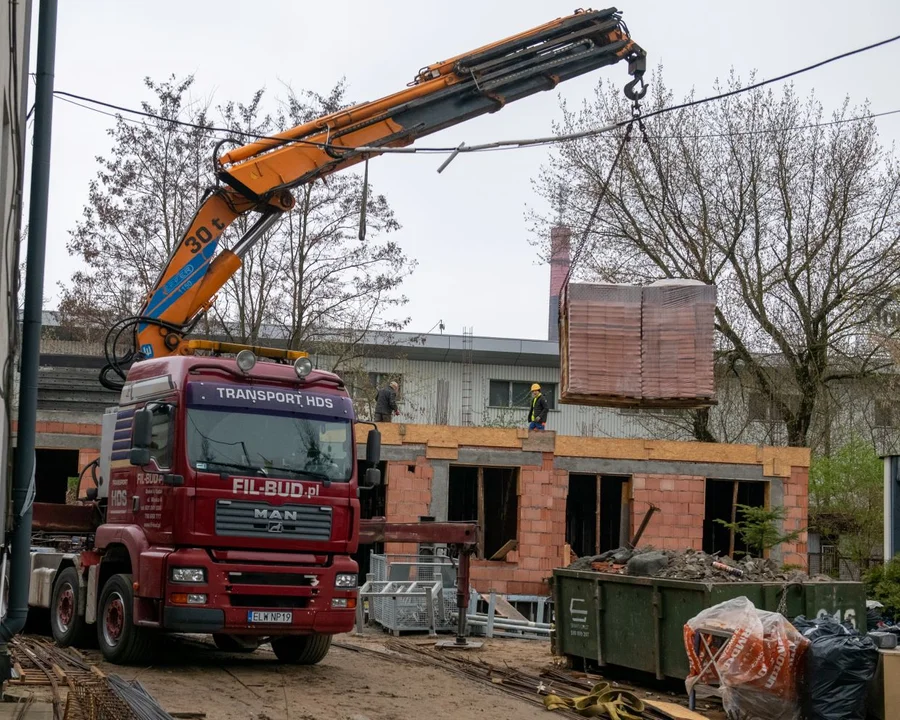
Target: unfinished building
(535,493)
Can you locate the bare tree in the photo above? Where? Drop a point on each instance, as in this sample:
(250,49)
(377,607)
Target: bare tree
(792,215)
(309,281)
(138,206)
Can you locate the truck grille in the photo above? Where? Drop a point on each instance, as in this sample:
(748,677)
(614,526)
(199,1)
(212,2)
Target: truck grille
(239,518)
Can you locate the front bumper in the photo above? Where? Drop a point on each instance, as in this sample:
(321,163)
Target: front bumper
(235,590)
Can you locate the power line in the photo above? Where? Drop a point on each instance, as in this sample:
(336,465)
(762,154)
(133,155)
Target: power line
(229,131)
(557,139)
(779,78)
(508,144)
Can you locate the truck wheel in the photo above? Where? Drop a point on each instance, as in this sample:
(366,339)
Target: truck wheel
(121,641)
(66,614)
(301,649)
(231,643)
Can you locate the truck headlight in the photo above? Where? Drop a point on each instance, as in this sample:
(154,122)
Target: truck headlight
(345,580)
(188,575)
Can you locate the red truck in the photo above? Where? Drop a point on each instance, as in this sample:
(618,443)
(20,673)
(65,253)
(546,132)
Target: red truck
(227,503)
(226,500)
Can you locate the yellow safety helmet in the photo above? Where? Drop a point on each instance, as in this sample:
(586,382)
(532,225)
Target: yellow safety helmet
(535,387)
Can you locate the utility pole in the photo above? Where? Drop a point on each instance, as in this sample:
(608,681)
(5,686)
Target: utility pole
(23,476)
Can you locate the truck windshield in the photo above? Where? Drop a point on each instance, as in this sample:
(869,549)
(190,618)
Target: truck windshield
(270,445)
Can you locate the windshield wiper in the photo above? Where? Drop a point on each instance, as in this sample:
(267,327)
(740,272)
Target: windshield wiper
(314,474)
(237,466)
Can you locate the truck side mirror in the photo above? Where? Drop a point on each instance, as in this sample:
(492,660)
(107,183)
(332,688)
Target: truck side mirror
(373,477)
(139,456)
(373,447)
(141,437)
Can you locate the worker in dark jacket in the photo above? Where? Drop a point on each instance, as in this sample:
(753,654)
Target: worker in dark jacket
(537,414)
(386,403)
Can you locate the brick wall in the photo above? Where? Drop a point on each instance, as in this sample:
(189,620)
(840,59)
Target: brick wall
(84,458)
(44,427)
(541,538)
(796,500)
(542,533)
(681,499)
(408,497)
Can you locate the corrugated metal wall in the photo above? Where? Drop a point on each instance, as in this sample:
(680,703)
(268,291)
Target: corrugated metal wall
(424,400)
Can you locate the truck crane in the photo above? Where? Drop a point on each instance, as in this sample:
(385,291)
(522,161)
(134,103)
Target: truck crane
(226,498)
(258,177)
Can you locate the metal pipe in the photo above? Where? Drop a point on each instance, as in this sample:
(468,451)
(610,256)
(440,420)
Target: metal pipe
(640,531)
(23,477)
(256,231)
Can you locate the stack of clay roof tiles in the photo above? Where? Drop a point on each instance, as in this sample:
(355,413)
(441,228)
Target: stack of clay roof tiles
(631,346)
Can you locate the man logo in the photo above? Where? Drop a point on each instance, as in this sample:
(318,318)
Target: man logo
(276,527)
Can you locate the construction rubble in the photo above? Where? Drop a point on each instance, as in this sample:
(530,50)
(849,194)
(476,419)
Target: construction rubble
(690,565)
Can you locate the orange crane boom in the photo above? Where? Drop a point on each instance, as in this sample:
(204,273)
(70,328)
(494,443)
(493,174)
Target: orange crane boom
(258,177)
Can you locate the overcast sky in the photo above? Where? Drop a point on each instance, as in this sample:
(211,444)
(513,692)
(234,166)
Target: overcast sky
(466,226)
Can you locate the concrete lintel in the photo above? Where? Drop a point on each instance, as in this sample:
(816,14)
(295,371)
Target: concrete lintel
(70,416)
(490,457)
(498,458)
(440,490)
(603,466)
(59,441)
(395,453)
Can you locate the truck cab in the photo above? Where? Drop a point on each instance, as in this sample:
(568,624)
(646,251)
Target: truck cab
(230,494)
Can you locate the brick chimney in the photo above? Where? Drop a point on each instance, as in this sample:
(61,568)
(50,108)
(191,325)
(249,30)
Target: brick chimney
(559,268)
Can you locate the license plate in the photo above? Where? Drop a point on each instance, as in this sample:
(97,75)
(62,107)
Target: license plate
(258,616)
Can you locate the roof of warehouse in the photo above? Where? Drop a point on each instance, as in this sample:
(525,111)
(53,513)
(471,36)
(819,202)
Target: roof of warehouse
(451,348)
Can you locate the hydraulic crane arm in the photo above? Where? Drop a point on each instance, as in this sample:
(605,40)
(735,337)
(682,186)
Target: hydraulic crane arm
(259,176)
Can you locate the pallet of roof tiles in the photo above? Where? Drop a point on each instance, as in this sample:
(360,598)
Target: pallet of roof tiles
(677,330)
(600,343)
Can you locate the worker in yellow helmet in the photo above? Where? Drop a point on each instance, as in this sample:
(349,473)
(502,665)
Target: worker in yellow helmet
(537,415)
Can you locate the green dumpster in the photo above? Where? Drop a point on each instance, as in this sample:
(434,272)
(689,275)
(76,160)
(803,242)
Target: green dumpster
(638,622)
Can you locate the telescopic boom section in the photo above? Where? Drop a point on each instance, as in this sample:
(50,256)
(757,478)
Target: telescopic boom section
(258,177)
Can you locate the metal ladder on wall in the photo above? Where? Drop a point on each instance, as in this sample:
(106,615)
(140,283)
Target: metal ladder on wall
(467,370)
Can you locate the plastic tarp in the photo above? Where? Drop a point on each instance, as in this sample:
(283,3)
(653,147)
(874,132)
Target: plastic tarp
(751,658)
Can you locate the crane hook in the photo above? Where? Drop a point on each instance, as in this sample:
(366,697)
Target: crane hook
(630,91)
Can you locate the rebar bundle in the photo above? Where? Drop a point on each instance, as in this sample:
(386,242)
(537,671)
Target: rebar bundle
(92,695)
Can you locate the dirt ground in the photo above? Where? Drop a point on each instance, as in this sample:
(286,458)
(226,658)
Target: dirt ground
(346,685)
(368,683)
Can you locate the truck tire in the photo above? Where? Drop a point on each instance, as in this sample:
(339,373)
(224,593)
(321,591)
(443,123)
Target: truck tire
(121,641)
(301,649)
(232,644)
(66,614)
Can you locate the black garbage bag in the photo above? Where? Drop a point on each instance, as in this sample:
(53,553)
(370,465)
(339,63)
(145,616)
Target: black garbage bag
(825,625)
(839,665)
(874,615)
